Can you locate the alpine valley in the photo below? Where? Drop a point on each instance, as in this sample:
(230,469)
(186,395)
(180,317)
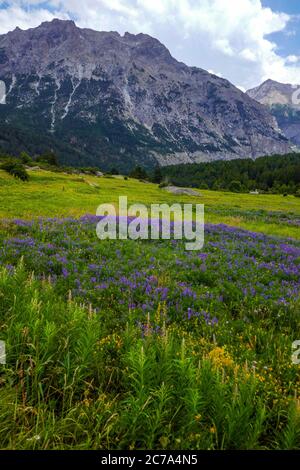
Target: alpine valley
(102,99)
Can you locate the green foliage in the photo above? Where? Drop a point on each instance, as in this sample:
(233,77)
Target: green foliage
(15,168)
(49,158)
(164,183)
(157,176)
(139,173)
(88,170)
(276,174)
(113,171)
(235,187)
(43,196)
(85,371)
(75,381)
(25,158)
(103,144)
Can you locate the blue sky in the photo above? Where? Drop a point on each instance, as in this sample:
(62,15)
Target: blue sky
(289,41)
(245,41)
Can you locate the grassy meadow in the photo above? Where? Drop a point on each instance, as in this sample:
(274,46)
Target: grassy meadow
(50,194)
(142,344)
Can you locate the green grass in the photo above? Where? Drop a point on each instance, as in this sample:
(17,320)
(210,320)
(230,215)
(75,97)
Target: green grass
(58,195)
(140,344)
(69,384)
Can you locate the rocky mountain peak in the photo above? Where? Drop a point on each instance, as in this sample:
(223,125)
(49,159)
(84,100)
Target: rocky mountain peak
(100,97)
(271,93)
(283,101)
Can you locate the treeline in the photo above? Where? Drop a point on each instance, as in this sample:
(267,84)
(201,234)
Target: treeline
(18,165)
(276,174)
(279,174)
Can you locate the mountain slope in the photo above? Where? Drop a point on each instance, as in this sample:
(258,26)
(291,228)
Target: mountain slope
(123,100)
(283,101)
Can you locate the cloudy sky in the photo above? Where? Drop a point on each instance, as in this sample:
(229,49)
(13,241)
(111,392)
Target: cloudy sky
(245,41)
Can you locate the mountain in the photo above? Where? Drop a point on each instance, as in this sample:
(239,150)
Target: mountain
(283,100)
(99,98)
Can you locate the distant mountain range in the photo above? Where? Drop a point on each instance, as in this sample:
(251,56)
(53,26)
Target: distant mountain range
(283,100)
(99,98)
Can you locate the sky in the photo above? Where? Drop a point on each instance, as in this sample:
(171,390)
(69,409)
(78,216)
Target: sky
(244,41)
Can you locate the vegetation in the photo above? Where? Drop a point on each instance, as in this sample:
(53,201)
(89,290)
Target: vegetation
(66,193)
(113,171)
(277,174)
(102,144)
(139,173)
(15,168)
(49,158)
(129,345)
(139,344)
(57,194)
(157,176)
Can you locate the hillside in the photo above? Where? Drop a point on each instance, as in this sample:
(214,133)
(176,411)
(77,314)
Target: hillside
(102,99)
(50,194)
(123,344)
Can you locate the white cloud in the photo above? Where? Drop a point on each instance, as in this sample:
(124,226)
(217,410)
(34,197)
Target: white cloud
(248,54)
(230,36)
(224,46)
(15,15)
(218,74)
(292,59)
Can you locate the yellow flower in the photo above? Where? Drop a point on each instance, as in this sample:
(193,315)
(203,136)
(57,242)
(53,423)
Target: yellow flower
(213,430)
(112,340)
(220,357)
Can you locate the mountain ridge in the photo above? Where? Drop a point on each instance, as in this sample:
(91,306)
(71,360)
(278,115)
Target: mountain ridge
(283,101)
(125,100)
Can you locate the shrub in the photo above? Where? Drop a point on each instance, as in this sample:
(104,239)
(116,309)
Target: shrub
(139,173)
(19,172)
(157,176)
(113,171)
(16,169)
(165,182)
(25,158)
(49,158)
(89,170)
(235,187)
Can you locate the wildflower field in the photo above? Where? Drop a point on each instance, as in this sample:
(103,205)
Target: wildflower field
(142,344)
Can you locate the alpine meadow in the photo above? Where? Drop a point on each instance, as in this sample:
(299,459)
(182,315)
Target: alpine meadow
(138,343)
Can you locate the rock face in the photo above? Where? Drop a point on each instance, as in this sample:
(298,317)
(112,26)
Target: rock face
(98,98)
(283,100)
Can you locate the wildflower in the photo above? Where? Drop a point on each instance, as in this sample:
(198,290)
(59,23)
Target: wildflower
(220,357)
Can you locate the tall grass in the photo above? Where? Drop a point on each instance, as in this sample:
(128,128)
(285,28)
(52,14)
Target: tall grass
(69,384)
